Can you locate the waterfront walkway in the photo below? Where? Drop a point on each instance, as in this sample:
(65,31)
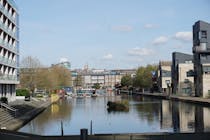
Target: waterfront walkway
(27,110)
(5,134)
(190,99)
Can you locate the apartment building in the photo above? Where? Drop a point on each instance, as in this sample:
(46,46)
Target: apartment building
(9,49)
(106,78)
(182,83)
(164,76)
(201,56)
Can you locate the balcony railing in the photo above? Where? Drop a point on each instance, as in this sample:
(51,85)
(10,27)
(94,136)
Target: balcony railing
(8,77)
(7,14)
(7,30)
(7,61)
(8,46)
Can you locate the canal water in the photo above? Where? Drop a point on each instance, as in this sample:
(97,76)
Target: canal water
(144,115)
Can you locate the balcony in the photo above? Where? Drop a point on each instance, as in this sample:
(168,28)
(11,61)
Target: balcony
(8,46)
(8,62)
(7,30)
(201,49)
(9,79)
(7,14)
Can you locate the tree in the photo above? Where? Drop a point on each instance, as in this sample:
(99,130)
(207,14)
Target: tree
(126,81)
(143,78)
(96,86)
(28,72)
(78,81)
(34,75)
(60,76)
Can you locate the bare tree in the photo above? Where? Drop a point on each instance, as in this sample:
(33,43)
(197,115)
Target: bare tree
(28,72)
(34,75)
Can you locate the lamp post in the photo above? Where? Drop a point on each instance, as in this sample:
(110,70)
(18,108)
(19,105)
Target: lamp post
(168,83)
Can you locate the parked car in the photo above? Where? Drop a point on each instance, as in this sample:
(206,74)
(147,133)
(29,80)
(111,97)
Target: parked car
(27,98)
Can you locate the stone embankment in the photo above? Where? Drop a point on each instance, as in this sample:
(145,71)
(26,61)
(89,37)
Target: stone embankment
(27,110)
(189,99)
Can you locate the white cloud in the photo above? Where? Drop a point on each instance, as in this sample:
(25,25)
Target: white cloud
(183,36)
(140,51)
(63,59)
(160,40)
(108,57)
(150,26)
(122,28)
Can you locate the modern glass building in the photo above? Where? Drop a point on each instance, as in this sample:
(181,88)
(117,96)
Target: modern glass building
(9,49)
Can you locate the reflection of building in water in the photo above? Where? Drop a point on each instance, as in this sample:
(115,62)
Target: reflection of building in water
(187,117)
(166,115)
(199,127)
(206,112)
(175,117)
(183,116)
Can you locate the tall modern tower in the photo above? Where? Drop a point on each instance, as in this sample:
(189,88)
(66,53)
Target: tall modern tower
(9,49)
(201,54)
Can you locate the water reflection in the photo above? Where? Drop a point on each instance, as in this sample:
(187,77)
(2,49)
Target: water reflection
(184,117)
(144,115)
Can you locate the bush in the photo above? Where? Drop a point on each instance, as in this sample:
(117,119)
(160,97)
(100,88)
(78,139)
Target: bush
(22,92)
(4,100)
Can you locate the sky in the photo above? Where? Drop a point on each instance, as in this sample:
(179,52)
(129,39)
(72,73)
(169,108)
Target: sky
(108,34)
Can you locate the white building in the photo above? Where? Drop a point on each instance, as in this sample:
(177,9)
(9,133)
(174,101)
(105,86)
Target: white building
(9,49)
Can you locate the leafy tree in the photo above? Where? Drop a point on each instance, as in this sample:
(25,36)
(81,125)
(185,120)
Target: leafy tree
(143,78)
(96,86)
(126,81)
(78,81)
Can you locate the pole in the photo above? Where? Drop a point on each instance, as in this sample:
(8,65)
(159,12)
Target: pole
(83,134)
(61,128)
(91,127)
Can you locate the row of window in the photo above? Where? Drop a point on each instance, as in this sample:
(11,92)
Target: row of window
(7,22)
(7,38)
(8,7)
(5,70)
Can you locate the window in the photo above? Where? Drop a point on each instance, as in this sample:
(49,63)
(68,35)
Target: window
(203,34)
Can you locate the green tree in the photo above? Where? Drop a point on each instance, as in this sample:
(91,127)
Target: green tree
(126,81)
(78,81)
(96,86)
(143,78)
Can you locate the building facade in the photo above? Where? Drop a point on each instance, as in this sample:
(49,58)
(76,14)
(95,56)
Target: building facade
(9,49)
(164,75)
(201,56)
(106,78)
(182,64)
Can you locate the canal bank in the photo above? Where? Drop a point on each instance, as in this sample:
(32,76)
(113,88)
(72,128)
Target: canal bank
(28,110)
(5,134)
(189,99)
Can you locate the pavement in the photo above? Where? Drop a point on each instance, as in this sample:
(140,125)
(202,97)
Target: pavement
(27,110)
(179,97)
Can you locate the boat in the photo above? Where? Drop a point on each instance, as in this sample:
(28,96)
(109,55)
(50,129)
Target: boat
(85,92)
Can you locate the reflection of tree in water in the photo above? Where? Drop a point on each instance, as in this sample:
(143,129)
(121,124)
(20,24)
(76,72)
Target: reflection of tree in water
(148,110)
(61,110)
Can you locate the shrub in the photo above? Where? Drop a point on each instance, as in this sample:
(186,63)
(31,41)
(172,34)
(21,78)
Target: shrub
(22,92)
(4,100)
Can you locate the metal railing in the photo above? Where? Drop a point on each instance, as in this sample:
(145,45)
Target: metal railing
(7,107)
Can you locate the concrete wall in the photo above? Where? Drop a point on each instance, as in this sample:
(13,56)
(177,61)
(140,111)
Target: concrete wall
(185,84)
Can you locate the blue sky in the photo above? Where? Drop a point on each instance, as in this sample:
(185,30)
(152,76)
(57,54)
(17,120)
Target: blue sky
(108,34)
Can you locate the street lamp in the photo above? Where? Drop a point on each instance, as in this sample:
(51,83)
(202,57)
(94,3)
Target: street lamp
(168,83)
